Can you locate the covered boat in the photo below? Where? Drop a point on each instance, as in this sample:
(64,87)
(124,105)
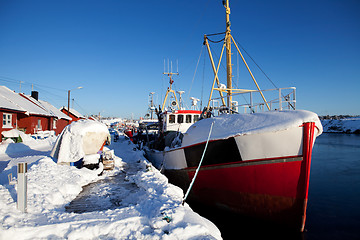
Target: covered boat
(81,144)
(257,163)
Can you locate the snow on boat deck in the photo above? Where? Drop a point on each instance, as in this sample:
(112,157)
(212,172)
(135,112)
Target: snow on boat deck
(141,214)
(226,126)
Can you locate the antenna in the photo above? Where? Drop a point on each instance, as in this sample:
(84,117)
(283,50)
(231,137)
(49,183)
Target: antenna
(169,73)
(194,102)
(180,99)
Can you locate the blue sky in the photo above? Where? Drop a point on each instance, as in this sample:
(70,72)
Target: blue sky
(116,50)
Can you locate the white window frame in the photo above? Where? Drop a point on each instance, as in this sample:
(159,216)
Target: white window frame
(7,118)
(38,126)
(54,123)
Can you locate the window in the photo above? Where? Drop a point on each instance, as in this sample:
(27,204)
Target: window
(7,120)
(54,123)
(188,118)
(196,118)
(180,118)
(172,119)
(39,124)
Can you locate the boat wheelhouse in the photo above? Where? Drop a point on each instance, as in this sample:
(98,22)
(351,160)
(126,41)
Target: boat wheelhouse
(179,120)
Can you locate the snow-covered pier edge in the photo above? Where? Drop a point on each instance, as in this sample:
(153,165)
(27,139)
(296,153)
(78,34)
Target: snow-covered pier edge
(341,124)
(157,214)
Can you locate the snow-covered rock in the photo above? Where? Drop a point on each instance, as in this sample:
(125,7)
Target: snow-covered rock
(345,125)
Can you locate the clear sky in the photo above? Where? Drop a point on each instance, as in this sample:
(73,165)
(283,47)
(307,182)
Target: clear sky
(116,49)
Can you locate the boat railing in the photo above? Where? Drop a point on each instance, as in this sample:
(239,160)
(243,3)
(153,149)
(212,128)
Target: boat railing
(251,101)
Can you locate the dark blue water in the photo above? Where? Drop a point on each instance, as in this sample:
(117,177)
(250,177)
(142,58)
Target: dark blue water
(334,197)
(334,192)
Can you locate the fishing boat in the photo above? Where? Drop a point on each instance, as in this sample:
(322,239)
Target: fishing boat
(256,163)
(173,121)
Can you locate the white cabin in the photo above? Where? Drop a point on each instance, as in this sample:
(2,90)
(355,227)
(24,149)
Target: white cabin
(180,120)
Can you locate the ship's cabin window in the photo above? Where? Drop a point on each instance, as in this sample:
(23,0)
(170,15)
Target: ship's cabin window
(180,118)
(171,118)
(196,118)
(188,118)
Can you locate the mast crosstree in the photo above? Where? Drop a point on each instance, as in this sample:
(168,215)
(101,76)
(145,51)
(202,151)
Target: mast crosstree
(228,89)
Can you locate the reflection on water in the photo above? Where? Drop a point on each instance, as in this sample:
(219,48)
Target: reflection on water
(334,193)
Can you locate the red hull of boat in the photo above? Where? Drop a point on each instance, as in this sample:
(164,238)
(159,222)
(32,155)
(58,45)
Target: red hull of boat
(274,189)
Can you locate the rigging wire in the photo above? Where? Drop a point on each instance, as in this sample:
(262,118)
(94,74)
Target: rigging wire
(202,85)
(197,64)
(252,59)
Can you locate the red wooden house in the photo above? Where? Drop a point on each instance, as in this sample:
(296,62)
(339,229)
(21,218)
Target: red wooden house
(26,113)
(75,115)
(62,119)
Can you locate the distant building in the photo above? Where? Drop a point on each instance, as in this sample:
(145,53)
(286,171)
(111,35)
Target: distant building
(73,114)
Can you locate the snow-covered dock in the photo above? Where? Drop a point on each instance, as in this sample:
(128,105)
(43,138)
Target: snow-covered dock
(154,211)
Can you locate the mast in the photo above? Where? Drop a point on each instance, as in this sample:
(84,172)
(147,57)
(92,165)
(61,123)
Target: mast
(228,53)
(229,90)
(170,90)
(151,107)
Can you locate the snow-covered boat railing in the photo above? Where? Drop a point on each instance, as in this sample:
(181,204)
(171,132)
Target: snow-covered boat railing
(251,100)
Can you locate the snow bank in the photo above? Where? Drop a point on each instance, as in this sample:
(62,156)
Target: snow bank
(11,153)
(346,125)
(11,133)
(157,213)
(226,126)
(16,133)
(79,138)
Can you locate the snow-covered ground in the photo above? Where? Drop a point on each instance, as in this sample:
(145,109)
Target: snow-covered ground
(153,212)
(345,125)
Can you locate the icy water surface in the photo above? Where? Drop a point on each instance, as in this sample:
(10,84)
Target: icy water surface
(334,197)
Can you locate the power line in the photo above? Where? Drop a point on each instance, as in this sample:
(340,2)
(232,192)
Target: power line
(12,80)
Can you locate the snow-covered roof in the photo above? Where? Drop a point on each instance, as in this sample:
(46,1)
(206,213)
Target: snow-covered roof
(14,101)
(37,103)
(54,110)
(73,112)
(226,126)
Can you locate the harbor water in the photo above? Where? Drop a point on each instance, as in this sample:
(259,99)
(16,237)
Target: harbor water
(334,193)
(334,197)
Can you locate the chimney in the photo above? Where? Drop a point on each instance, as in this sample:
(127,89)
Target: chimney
(35,94)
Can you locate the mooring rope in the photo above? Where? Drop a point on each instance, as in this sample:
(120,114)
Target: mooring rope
(198,168)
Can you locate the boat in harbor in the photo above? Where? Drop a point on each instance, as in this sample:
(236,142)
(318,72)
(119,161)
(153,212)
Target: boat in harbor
(173,121)
(256,163)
